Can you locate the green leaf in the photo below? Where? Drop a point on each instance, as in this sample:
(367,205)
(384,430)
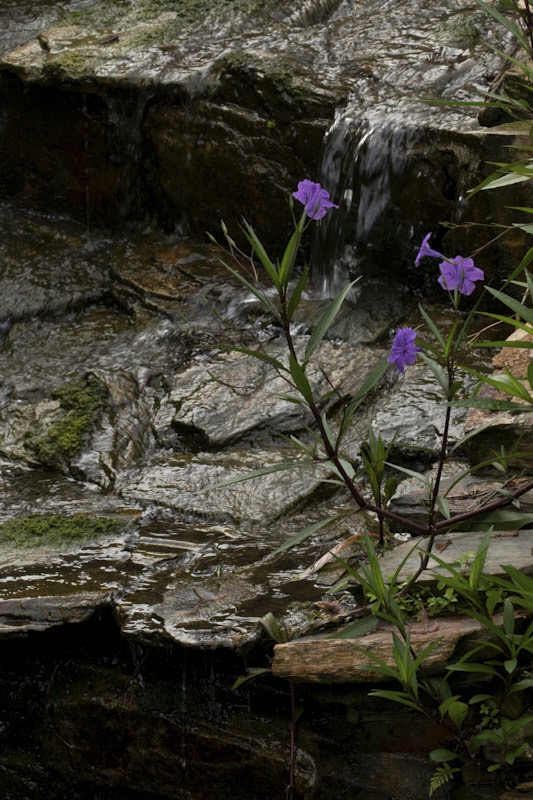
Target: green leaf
(507,383)
(441,755)
(257,354)
(507,23)
(297,293)
(326,320)
(508,618)
(521,686)
(360,627)
(433,328)
(398,697)
(457,712)
(483,669)
(277,632)
(507,179)
(515,305)
(444,507)
(300,379)
(257,473)
(289,257)
(438,372)
(257,293)
(308,531)
(360,395)
(510,665)
(252,672)
(261,254)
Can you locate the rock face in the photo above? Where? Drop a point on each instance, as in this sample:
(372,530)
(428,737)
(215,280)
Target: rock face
(116,114)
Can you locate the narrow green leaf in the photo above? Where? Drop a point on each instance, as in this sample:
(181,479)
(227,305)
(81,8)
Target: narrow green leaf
(252,672)
(515,305)
(257,354)
(257,473)
(396,696)
(300,378)
(360,627)
(326,320)
(508,618)
(484,669)
(289,257)
(361,393)
(297,293)
(302,535)
(261,254)
(444,507)
(438,372)
(257,293)
(433,328)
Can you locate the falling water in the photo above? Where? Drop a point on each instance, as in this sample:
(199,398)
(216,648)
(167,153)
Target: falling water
(376,166)
(363,159)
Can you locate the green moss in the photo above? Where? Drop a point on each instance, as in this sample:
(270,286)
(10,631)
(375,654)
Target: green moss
(465,28)
(67,64)
(110,14)
(275,78)
(55,529)
(81,406)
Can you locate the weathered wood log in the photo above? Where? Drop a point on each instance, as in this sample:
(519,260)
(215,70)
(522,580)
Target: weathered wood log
(320,660)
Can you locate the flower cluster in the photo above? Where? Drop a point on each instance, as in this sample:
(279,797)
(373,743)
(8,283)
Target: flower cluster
(456,274)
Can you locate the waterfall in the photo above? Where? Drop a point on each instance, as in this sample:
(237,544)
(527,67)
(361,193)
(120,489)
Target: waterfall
(363,163)
(397,167)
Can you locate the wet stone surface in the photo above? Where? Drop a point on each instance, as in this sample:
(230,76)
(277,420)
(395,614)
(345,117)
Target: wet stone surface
(178,418)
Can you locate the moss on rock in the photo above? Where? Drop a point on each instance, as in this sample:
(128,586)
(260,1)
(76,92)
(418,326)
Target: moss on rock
(40,530)
(80,407)
(105,14)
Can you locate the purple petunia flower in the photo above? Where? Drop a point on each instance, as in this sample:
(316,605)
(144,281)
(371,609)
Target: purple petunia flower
(460,274)
(315,199)
(404,349)
(426,250)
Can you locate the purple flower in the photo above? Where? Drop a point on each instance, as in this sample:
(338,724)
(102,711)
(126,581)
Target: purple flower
(404,349)
(426,250)
(315,199)
(460,274)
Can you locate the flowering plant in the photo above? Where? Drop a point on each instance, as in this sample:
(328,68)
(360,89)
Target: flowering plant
(443,355)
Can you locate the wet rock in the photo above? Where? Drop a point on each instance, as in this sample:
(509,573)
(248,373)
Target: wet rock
(338,660)
(21,615)
(252,161)
(232,394)
(201,484)
(411,418)
(89,429)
